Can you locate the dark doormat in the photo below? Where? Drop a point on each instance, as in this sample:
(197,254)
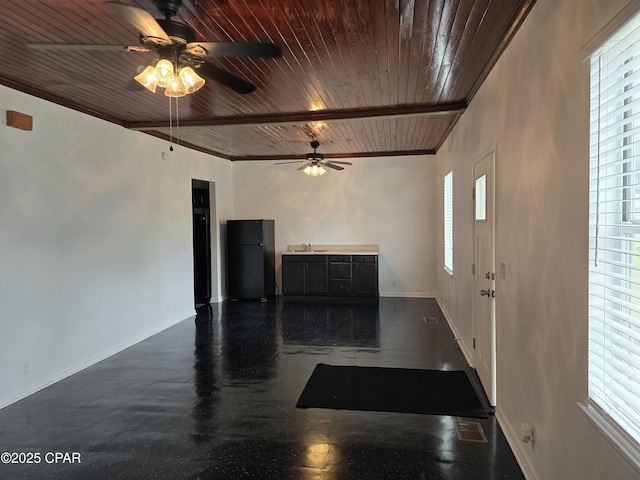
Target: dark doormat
(404,390)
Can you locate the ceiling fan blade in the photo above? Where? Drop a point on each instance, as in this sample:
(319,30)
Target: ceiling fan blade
(341,163)
(225,78)
(332,165)
(287,163)
(141,19)
(81,46)
(235,49)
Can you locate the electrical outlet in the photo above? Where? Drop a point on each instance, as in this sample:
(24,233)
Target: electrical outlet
(25,369)
(503,271)
(526,432)
(394,284)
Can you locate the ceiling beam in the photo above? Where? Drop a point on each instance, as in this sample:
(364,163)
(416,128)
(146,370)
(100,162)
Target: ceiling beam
(395,153)
(301,118)
(329,156)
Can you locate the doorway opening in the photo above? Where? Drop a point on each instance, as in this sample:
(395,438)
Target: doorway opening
(204,242)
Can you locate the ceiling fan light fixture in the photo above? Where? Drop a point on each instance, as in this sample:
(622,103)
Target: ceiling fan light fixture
(148,78)
(314,170)
(191,81)
(175,88)
(186,80)
(164,72)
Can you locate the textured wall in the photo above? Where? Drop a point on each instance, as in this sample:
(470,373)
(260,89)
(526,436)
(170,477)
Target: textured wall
(534,111)
(96,243)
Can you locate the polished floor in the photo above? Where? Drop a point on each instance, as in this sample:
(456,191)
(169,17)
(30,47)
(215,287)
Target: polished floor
(214,398)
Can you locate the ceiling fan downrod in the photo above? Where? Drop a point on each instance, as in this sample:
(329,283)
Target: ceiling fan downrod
(169,8)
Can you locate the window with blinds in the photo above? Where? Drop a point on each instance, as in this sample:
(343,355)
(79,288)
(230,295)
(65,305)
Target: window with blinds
(448,222)
(614,232)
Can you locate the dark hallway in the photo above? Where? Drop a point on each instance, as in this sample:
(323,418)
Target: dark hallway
(215,399)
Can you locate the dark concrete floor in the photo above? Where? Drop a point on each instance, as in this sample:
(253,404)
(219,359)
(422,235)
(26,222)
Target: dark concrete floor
(215,399)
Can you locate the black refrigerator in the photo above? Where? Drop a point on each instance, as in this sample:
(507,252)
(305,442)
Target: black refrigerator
(251,265)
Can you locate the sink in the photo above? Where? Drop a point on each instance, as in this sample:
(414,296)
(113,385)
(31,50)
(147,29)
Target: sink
(314,250)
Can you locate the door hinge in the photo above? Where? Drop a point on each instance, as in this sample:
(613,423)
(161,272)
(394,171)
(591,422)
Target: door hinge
(473,193)
(473,269)
(474,343)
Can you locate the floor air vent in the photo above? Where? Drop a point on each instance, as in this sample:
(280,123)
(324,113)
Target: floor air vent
(470,432)
(430,320)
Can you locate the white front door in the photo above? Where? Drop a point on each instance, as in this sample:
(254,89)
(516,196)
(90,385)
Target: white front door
(484,318)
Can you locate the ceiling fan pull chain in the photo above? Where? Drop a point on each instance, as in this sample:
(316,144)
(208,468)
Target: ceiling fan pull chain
(170,126)
(177,120)
(177,68)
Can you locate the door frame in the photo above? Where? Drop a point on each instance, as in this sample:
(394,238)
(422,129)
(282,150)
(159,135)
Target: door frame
(216,291)
(491,389)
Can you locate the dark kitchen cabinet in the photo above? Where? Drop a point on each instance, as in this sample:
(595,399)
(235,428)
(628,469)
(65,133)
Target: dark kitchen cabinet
(340,275)
(304,275)
(330,276)
(365,274)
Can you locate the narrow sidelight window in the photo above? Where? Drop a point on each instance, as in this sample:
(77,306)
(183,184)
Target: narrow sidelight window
(448,222)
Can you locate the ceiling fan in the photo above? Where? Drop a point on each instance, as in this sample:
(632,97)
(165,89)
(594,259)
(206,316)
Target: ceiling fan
(315,162)
(176,42)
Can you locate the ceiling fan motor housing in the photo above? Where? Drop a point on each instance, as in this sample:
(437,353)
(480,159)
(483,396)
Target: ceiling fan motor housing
(315,156)
(178,32)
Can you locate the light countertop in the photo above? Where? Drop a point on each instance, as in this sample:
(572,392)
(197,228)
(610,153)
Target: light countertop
(332,250)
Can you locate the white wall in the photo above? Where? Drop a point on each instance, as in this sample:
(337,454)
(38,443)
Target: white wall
(533,110)
(385,201)
(96,240)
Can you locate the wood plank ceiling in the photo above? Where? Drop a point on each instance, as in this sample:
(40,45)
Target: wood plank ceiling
(364,77)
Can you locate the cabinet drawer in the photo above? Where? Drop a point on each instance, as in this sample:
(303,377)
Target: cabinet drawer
(340,286)
(365,258)
(340,270)
(340,258)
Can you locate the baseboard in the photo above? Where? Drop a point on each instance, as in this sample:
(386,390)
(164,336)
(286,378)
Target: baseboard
(466,351)
(67,372)
(517,447)
(407,294)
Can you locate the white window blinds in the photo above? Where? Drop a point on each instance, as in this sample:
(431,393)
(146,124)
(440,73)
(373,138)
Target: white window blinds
(614,232)
(448,222)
